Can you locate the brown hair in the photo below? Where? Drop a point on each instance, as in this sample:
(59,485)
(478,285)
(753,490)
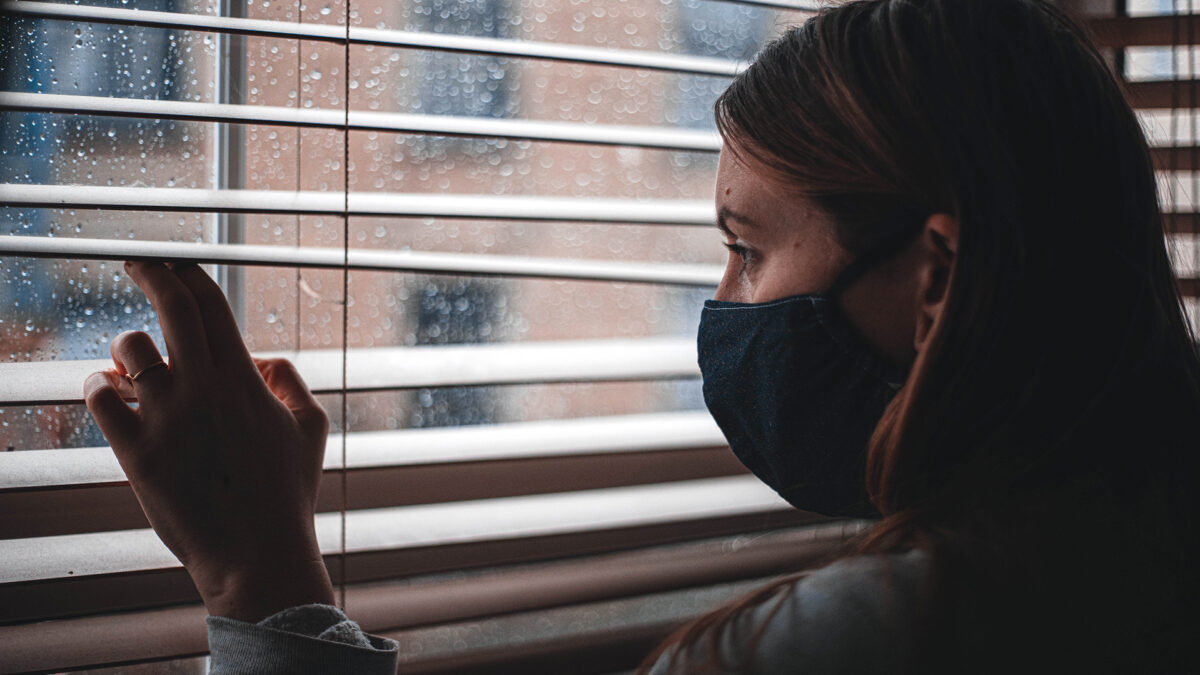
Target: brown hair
(1043,451)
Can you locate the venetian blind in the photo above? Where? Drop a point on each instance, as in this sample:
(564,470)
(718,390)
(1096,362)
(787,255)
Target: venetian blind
(478,229)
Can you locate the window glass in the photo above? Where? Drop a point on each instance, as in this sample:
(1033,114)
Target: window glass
(66,310)
(1153,7)
(660,25)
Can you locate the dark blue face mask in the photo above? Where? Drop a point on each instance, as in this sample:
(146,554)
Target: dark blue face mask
(797,391)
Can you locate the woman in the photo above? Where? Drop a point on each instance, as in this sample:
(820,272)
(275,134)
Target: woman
(947,275)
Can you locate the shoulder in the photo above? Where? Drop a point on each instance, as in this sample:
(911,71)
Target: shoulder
(854,616)
(877,584)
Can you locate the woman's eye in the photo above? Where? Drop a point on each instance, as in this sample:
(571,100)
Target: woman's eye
(742,252)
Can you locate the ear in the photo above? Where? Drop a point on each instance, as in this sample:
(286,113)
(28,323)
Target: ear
(939,244)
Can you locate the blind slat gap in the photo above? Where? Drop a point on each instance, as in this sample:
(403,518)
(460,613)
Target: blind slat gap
(1160,94)
(1141,31)
(1175,158)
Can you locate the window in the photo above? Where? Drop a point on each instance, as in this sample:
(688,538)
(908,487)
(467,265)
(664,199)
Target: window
(527,236)
(1161,68)
(488,239)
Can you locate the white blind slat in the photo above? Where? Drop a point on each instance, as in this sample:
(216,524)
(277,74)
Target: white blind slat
(507,207)
(77,555)
(384,368)
(364,259)
(649,432)
(663,138)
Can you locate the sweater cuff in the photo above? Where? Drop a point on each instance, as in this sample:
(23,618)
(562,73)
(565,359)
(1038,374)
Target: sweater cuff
(324,622)
(301,640)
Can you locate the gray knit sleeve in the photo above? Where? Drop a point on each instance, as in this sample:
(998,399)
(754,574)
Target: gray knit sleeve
(301,640)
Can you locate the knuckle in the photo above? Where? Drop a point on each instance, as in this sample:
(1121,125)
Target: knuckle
(316,420)
(279,366)
(95,396)
(131,340)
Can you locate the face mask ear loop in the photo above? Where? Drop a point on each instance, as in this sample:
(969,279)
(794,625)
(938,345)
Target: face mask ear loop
(900,228)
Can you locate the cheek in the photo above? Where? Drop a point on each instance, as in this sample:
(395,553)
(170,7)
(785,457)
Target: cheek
(884,311)
(787,274)
(735,286)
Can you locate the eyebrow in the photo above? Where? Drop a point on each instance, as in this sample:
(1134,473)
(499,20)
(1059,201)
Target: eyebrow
(725,213)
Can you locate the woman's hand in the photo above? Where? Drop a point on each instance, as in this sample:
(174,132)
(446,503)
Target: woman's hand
(224,451)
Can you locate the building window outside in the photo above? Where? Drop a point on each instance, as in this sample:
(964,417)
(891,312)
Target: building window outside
(464,85)
(726,30)
(457,311)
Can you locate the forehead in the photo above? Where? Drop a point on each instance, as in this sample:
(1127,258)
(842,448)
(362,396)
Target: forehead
(743,189)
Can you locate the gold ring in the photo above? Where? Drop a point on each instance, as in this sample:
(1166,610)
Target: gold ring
(135,376)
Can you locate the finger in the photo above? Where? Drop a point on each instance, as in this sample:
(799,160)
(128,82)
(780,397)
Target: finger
(125,387)
(122,383)
(224,337)
(285,382)
(183,328)
(117,421)
(136,356)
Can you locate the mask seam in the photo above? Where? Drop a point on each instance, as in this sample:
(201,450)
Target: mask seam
(763,305)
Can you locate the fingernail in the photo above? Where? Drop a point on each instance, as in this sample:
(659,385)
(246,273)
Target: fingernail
(94,382)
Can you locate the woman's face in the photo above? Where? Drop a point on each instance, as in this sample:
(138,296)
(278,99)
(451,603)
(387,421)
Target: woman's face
(782,245)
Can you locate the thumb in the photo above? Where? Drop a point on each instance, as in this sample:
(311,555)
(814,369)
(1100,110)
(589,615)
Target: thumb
(117,421)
